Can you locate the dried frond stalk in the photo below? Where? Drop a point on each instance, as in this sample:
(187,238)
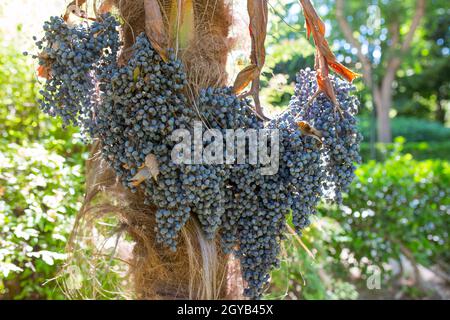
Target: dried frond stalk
(182,23)
(154,27)
(323,79)
(316,27)
(258,14)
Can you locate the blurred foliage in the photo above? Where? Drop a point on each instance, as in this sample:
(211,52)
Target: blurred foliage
(399,206)
(424,76)
(41,184)
(419,150)
(412,129)
(40,194)
(306,270)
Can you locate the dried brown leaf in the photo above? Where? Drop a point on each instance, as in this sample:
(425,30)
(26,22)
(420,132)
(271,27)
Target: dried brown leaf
(308,129)
(316,27)
(258,14)
(142,175)
(44,72)
(149,169)
(106,6)
(154,27)
(323,79)
(151,162)
(245,76)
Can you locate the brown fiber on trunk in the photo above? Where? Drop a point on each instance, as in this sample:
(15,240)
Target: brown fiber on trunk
(206,56)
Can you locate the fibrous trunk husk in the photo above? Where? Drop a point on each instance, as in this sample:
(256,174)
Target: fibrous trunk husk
(205,55)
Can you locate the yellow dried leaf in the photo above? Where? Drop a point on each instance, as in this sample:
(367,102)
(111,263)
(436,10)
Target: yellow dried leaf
(182,23)
(136,73)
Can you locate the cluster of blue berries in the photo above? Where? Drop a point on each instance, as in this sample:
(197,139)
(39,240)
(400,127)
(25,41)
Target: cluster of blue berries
(134,109)
(314,165)
(72,57)
(338,128)
(142,104)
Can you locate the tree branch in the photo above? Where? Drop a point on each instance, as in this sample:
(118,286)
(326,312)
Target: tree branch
(394,30)
(395,62)
(396,59)
(348,34)
(419,13)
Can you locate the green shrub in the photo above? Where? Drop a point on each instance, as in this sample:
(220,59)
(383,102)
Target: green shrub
(397,207)
(41,183)
(412,129)
(40,193)
(303,276)
(20,116)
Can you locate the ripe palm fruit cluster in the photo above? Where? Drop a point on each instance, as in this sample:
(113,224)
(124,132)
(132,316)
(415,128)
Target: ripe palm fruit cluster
(71,58)
(134,108)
